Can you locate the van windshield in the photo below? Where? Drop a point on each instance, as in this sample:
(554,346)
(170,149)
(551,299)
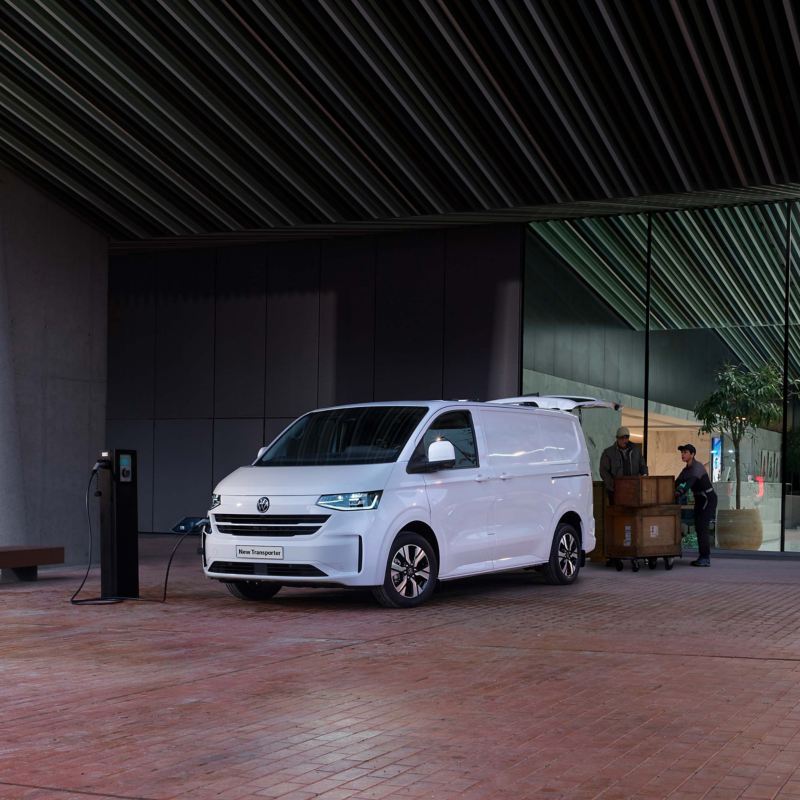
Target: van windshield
(366,435)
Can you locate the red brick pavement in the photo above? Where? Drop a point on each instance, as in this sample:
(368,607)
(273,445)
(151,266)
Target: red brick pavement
(682,684)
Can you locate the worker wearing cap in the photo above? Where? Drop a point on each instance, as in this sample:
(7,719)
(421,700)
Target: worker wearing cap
(622,458)
(694,478)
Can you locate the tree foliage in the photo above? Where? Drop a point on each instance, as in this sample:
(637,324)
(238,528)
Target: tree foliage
(743,401)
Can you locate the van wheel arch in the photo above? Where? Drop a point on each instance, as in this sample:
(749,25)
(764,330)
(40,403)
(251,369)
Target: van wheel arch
(573,518)
(565,555)
(411,572)
(425,531)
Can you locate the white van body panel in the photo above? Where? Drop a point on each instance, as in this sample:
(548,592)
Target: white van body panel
(287,481)
(501,513)
(540,460)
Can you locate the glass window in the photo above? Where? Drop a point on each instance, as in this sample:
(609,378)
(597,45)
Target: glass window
(791,519)
(585,319)
(717,301)
(456,428)
(359,435)
(709,304)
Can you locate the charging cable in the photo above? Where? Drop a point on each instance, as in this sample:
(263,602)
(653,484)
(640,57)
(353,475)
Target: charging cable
(92,601)
(104,601)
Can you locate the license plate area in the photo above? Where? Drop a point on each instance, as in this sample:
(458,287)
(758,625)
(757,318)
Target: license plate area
(256,553)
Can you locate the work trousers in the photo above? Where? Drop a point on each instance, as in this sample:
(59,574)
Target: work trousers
(702,519)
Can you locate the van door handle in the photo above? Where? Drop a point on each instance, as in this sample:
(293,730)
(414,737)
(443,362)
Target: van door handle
(481,478)
(504,476)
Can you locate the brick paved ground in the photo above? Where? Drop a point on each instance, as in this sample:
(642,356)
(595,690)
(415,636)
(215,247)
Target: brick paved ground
(682,684)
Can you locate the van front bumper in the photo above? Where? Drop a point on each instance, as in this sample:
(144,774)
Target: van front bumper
(333,554)
(337,558)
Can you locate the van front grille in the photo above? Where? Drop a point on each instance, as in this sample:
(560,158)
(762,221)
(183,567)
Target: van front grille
(247,568)
(270,525)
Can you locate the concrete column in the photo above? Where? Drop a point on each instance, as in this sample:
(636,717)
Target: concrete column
(53,312)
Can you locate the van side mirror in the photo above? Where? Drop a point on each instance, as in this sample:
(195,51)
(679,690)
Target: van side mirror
(441,455)
(261,453)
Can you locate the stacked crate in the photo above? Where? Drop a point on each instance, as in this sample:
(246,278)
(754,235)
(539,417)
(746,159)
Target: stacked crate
(645,521)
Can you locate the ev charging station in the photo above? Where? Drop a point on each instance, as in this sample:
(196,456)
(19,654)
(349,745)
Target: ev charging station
(119,524)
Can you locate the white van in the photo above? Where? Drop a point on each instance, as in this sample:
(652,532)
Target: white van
(395,496)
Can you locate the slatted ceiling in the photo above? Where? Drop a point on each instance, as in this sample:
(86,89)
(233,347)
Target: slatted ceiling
(289,118)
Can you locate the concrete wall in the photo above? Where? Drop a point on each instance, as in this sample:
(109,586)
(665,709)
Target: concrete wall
(213,352)
(53,310)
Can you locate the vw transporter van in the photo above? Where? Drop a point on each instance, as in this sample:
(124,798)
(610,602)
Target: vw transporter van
(397,496)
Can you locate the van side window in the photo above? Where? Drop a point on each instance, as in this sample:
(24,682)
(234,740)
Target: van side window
(456,427)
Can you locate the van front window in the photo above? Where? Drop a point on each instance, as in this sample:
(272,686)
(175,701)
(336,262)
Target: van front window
(361,435)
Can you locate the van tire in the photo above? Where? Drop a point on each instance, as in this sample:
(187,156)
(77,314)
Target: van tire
(565,556)
(411,572)
(252,590)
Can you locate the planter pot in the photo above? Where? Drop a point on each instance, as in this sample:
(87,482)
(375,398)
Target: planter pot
(739,530)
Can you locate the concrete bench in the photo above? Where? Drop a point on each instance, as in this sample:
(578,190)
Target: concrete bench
(22,563)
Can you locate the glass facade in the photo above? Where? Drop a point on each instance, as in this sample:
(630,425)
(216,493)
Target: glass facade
(645,309)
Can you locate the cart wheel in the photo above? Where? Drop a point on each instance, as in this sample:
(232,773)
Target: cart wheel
(652,563)
(668,562)
(635,565)
(619,565)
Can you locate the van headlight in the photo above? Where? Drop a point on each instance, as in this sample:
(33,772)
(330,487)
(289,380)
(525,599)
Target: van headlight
(351,501)
(216,499)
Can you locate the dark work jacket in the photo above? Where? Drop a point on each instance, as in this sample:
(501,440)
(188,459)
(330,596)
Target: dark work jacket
(612,466)
(694,478)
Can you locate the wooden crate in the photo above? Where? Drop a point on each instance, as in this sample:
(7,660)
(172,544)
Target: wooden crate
(642,532)
(644,490)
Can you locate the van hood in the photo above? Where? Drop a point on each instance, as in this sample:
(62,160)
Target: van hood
(305,480)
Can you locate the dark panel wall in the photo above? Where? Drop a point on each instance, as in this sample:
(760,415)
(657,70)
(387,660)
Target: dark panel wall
(184,344)
(409,306)
(240,333)
(292,329)
(683,364)
(347,321)
(572,333)
(132,338)
(481,274)
(213,352)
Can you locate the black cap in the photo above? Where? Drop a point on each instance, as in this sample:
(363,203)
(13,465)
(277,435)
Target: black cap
(690,447)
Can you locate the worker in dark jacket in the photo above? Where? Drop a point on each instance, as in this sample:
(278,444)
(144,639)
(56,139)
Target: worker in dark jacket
(622,458)
(694,478)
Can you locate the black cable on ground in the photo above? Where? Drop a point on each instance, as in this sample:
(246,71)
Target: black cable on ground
(104,601)
(169,564)
(166,576)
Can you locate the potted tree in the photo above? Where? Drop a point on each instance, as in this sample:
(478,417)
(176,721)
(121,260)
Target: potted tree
(743,401)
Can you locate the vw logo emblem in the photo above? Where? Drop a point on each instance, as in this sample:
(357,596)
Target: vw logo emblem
(263,504)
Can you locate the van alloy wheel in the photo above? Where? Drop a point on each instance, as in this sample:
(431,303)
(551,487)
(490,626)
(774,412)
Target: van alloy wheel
(565,556)
(568,555)
(411,572)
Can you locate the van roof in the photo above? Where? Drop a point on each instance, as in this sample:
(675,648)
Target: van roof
(437,404)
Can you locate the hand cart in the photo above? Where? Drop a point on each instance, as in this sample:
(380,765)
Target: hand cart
(643,536)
